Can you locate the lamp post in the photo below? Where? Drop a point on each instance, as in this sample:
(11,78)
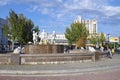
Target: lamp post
(108,36)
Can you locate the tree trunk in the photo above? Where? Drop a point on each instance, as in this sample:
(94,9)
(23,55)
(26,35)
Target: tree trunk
(12,45)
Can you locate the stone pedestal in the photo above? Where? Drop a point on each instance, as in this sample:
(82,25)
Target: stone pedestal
(15,59)
(97,56)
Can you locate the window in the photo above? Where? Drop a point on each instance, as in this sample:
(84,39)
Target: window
(94,28)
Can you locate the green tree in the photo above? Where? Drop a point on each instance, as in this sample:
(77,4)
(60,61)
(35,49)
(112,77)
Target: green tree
(97,38)
(19,27)
(102,38)
(36,28)
(77,33)
(94,39)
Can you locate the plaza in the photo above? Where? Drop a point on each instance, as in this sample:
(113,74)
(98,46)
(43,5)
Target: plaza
(105,69)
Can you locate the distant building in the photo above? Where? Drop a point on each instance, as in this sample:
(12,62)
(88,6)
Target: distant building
(59,39)
(3,39)
(91,25)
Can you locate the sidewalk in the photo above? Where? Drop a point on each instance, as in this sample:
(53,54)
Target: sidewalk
(105,64)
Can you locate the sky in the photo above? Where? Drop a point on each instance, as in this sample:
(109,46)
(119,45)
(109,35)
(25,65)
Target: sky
(56,15)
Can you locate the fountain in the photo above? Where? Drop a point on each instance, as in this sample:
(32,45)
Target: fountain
(45,46)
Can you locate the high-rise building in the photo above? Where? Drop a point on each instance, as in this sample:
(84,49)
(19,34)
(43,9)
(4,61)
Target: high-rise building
(91,25)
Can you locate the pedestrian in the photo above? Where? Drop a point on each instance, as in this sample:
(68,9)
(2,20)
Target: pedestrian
(66,48)
(109,53)
(101,48)
(113,51)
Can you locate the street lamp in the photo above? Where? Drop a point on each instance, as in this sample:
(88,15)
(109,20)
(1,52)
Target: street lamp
(108,36)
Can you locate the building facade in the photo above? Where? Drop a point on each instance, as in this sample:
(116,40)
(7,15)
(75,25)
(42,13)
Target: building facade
(3,39)
(91,25)
(59,39)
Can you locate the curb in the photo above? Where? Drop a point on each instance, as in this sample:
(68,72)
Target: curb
(56,72)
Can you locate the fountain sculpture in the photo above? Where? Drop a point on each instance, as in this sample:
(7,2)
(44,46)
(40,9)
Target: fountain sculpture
(45,45)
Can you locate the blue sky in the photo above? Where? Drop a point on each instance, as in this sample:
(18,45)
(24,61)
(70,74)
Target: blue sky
(59,14)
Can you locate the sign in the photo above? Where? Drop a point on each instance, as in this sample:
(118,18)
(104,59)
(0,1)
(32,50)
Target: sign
(114,39)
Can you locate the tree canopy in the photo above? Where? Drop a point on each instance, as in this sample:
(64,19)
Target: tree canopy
(77,33)
(97,38)
(19,27)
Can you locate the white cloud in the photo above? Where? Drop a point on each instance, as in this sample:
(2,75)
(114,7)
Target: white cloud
(4,2)
(33,8)
(60,8)
(45,11)
(64,11)
(85,4)
(111,11)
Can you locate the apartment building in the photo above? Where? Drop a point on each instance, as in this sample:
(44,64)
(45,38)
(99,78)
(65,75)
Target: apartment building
(91,25)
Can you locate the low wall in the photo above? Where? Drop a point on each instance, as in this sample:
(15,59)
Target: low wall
(5,58)
(39,49)
(44,58)
(55,58)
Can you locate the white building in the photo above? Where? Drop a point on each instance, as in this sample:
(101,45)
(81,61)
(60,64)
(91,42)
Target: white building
(59,39)
(91,25)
